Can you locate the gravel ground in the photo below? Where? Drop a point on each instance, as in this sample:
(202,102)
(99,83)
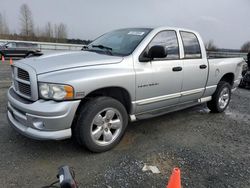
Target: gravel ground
(212,150)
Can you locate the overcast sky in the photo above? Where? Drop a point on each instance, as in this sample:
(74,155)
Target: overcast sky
(227,22)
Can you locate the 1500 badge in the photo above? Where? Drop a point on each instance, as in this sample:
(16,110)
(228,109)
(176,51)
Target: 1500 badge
(148,85)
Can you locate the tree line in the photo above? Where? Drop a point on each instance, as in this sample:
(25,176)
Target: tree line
(29,31)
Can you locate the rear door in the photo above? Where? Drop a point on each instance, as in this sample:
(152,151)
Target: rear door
(195,68)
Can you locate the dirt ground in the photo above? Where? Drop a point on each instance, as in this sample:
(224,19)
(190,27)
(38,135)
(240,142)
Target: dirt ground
(212,150)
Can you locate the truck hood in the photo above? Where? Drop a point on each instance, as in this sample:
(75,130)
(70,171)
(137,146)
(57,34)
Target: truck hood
(66,60)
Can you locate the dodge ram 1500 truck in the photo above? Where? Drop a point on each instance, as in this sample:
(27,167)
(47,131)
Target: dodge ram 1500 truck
(124,75)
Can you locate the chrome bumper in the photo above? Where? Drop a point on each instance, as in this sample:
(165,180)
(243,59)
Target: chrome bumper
(41,120)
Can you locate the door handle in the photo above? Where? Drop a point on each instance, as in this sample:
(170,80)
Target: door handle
(203,66)
(176,69)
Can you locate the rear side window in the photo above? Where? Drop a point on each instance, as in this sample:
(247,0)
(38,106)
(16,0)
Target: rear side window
(168,39)
(191,45)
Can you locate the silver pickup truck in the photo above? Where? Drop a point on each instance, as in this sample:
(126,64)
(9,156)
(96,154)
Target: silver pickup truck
(124,75)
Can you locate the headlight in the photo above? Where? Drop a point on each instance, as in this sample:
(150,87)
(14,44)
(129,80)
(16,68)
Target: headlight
(56,91)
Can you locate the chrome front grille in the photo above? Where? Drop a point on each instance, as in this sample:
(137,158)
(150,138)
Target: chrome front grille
(24,82)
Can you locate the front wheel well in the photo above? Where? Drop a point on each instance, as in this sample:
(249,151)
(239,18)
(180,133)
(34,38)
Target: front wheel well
(117,93)
(229,78)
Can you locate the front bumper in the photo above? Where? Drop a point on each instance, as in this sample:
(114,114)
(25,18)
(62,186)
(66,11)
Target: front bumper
(41,120)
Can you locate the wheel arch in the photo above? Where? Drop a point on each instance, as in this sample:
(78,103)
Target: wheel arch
(228,77)
(118,93)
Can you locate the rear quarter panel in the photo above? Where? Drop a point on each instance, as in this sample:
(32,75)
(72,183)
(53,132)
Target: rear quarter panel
(220,67)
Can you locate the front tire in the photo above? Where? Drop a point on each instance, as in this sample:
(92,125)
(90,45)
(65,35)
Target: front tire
(101,123)
(220,98)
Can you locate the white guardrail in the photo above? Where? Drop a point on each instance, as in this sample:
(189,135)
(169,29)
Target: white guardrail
(49,46)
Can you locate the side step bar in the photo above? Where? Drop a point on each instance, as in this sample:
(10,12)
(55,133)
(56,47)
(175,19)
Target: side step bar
(205,99)
(162,111)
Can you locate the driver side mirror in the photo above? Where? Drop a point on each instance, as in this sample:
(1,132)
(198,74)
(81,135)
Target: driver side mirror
(156,51)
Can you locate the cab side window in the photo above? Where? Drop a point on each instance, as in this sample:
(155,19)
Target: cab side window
(168,39)
(191,45)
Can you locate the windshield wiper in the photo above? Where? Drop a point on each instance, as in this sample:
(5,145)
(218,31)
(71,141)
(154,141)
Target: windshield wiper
(109,50)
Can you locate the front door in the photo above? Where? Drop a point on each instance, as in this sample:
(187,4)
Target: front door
(159,82)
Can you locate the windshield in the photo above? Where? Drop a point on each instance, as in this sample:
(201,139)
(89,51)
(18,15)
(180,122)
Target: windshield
(119,42)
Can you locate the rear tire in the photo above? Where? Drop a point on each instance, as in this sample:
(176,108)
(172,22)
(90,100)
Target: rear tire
(220,98)
(101,123)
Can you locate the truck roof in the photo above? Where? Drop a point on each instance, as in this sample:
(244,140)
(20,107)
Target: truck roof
(160,28)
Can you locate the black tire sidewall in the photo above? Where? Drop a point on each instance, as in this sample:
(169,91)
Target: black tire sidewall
(86,116)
